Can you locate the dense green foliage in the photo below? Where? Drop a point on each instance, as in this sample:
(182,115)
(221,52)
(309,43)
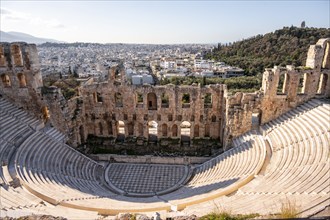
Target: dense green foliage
(234,84)
(68,87)
(287,46)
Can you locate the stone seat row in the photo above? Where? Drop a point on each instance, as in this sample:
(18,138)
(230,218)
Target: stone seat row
(297,165)
(233,163)
(19,114)
(44,154)
(56,134)
(298,170)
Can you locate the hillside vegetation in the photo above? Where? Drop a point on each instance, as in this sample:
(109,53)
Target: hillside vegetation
(287,46)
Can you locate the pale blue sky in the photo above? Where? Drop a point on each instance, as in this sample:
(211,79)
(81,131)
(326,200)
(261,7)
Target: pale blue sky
(158,21)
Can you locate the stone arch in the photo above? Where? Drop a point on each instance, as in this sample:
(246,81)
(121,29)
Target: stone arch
(165,100)
(139,100)
(21,80)
(208,100)
(152,101)
(118,99)
(185,128)
(301,83)
(16,55)
(164,130)
(196,131)
(174,130)
(256,119)
(214,118)
(110,132)
(2,57)
(99,97)
(283,83)
(100,128)
(326,57)
(322,84)
(120,126)
(185,101)
(152,130)
(82,134)
(6,80)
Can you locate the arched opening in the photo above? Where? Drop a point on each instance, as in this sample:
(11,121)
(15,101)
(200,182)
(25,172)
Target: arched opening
(120,130)
(82,134)
(322,84)
(118,99)
(110,128)
(17,55)
(140,129)
(164,130)
(185,131)
(256,118)
(45,113)
(280,85)
(152,130)
(196,131)
(165,101)
(301,81)
(139,100)
(5,80)
(185,100)
(326,58)
(174,130)
(21,80)
(152,101)
(214,118)
(207,130)
(208,100)
(99,97)
(2,57)
(100,128)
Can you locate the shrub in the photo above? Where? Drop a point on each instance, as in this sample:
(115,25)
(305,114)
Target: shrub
(289,209)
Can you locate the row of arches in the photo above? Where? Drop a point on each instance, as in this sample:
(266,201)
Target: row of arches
(6,80)
(284,80)
(154,130)
(152,103)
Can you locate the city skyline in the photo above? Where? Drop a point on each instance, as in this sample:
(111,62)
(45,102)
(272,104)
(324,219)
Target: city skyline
(158,22)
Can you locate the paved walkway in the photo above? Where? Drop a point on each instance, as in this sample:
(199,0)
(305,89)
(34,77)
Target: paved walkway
(145,178)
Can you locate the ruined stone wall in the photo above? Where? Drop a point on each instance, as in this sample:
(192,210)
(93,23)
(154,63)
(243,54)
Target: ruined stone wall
(105,104)
(282,90)
(20,78)
(210,111)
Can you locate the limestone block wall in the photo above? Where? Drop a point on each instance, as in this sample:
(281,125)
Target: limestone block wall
(20,78)
(108,103)
(120,110)
(282,90)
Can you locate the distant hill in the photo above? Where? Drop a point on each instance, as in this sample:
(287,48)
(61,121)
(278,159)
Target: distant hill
(12,36)
(287,46)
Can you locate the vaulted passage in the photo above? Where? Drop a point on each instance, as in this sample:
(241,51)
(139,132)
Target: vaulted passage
(5,80)
(120,130)
(185,131)
(152,101)
(152,130)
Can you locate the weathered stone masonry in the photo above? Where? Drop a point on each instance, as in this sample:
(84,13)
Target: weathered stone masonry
(99,108)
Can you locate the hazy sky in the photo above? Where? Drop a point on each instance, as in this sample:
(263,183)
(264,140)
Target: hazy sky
(158,21)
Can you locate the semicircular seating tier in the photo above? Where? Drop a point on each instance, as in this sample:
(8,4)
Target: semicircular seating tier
(298,169)
(48,175)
